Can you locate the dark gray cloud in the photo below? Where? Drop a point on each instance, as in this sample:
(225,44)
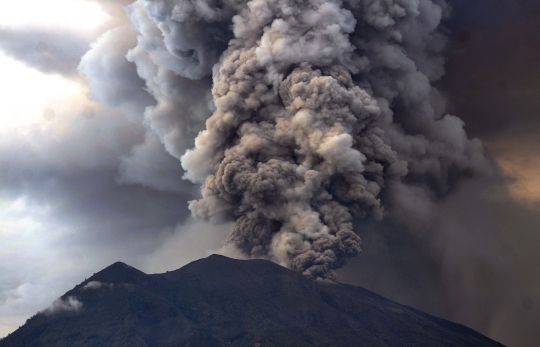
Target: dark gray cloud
(470,261)
(150,165)
(493,77)
(470,257)
(58,50)
(47,50)
(76,174)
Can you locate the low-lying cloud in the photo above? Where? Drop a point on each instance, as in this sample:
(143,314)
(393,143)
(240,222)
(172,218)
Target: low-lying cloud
(70,304)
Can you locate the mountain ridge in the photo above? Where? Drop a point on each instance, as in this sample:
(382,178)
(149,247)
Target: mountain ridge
(218,301)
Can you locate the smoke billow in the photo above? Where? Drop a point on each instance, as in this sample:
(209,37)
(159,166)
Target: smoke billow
(316,113)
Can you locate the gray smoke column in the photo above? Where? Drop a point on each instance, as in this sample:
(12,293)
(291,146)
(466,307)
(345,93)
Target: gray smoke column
(321,112)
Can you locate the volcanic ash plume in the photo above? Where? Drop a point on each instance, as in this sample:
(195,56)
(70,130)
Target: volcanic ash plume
(318,107)
(301,161)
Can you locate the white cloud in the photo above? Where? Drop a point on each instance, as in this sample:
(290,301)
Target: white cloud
(96,285)
(71,304)
(92,285)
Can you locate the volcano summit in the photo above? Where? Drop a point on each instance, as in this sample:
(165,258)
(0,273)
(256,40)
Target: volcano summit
(218,301)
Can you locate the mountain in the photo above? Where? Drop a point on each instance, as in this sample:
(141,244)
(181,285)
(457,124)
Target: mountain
(219,301)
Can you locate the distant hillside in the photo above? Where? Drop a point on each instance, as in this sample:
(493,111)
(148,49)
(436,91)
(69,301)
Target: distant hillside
(219,301)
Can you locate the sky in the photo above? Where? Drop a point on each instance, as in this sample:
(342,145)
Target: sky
(86,180)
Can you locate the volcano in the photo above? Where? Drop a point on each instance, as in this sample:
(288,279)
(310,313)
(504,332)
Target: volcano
(218,301)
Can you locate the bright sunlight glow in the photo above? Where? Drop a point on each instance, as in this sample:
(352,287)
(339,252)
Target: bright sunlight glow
(29,96)
(74,14)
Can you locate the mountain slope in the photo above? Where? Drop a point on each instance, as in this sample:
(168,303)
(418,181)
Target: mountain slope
(219,301)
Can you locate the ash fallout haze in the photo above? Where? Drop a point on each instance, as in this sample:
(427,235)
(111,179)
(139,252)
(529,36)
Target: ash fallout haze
(391,144)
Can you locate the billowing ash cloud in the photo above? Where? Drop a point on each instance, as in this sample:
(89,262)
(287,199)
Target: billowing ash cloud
(320,112)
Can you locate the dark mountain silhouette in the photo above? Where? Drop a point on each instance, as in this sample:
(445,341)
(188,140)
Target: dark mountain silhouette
(219,301)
